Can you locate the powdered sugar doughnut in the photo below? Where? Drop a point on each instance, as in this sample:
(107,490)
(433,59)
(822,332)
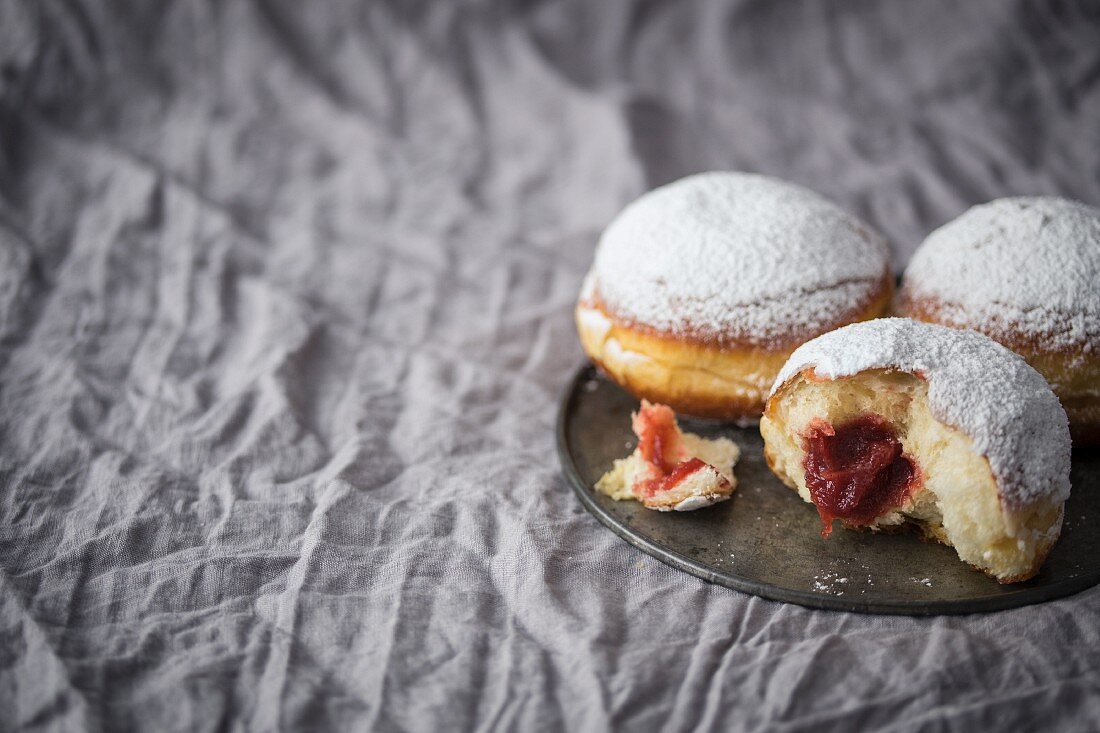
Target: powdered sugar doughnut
(1025,272)
(701,289)
(895,421)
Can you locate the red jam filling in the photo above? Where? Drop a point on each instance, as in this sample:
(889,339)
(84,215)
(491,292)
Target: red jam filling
(652,487)
(856,472)
(662,447)
(658,437)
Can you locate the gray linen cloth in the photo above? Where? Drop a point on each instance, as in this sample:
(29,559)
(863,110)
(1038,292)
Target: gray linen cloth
(285,295)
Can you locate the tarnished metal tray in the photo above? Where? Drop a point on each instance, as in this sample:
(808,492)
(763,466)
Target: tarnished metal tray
(766,540)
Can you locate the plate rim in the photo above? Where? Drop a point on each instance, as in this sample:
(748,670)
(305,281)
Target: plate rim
(808,599)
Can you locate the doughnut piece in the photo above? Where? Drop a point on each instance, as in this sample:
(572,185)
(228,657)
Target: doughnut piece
(895,422)
(701,289)
(671,470)
(1025,272)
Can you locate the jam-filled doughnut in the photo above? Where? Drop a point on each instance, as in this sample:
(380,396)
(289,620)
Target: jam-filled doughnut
(893,422)
(1025,272)
(701,289)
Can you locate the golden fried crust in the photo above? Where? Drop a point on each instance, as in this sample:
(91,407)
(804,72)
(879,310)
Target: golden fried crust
(693,376)
(1073,374)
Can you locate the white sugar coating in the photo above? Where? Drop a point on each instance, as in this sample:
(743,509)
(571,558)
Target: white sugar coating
(1029,264)
(974,384)
(738,256)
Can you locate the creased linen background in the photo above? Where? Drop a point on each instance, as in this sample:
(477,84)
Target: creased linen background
(285,295)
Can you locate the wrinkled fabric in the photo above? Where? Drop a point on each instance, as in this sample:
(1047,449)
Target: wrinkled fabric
(285,295)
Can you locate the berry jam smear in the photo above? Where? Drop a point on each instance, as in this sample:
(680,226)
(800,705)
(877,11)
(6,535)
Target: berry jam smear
(652,487)
(856,472)
(659,437)
(662,448)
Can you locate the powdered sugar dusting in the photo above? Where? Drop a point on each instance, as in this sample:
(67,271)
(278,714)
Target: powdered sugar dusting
(1029,265)
(974,384)
(830,582)
(740,257)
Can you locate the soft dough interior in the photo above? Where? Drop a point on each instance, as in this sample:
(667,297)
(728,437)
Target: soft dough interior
(722,453)
(958,502)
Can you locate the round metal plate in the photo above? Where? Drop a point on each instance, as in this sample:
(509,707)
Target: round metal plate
(766,540)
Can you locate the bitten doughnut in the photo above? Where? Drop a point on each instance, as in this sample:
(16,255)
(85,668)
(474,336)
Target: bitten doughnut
(701,289)
(1026,273)
(895,422)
